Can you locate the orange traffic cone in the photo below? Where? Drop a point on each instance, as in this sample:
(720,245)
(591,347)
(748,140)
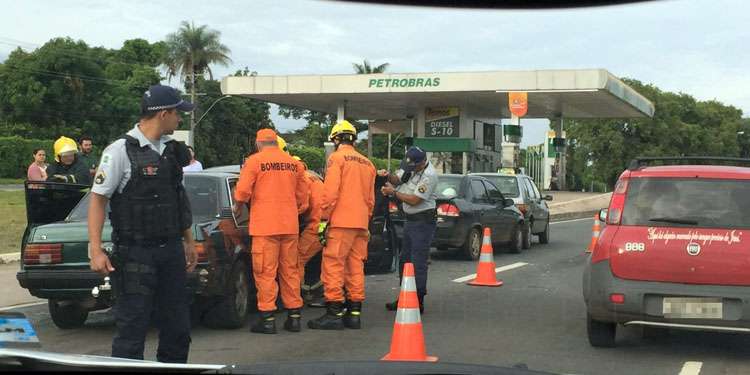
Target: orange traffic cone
(486,275)
(594,234)
(407,342)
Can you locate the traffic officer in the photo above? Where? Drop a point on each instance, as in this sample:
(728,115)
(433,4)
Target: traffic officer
(309,242)
(140,175)
(269,181)
(417,193)
(348,201)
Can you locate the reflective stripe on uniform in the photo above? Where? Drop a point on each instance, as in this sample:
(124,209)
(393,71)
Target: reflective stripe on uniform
(408,316)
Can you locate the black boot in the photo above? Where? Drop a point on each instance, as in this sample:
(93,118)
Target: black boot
(351,318)
(292,323)
(332,319)
(392,306)
(266,323)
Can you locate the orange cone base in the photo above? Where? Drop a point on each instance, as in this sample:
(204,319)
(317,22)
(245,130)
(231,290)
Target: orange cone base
(407,344)
(486,275)
(476,283)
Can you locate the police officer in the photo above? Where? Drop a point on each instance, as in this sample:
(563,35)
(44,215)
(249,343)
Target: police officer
(416,189)
(140,175)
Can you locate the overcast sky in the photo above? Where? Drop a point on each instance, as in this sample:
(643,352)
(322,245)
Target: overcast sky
(700,47)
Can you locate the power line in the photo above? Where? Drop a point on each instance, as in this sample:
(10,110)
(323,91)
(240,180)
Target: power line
(68,75)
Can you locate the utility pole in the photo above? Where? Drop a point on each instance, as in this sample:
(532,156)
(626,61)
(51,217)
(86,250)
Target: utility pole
(191,136)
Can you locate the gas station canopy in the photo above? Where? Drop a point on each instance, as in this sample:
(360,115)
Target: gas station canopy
(589,93)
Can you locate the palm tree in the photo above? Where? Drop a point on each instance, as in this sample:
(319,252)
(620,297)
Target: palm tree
(190,52)
(365,68)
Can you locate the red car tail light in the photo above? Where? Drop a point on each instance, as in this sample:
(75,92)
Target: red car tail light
(200,248)
(392,207)
(617,298)
(448,209)
(44,253)
(617,204)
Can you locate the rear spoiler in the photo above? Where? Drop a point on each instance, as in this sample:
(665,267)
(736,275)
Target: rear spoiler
(640,162)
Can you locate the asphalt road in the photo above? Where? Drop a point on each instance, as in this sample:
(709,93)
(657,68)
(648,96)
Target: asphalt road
(537,320)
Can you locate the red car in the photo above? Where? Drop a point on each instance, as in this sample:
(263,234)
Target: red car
(675,251)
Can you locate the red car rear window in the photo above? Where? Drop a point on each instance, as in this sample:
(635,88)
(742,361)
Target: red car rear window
(688,202)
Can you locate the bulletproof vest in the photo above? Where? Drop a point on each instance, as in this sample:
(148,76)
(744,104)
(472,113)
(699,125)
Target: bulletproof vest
(149,207)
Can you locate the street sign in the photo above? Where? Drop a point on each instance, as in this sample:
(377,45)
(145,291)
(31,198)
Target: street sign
(518,102)
(442,122)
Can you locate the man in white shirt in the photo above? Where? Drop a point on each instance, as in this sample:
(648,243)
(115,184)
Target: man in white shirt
(195,165)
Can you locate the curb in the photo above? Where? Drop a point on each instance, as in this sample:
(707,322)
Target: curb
(573,215)
(10,258)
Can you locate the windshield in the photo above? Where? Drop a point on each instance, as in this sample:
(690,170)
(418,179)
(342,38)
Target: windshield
(508,185)
(708,203)
(448,187)
(203,193)
(546,103)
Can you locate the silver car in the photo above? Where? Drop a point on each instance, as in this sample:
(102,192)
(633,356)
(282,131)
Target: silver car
(528,199)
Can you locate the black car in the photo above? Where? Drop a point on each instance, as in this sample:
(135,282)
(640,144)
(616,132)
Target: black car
(466,205)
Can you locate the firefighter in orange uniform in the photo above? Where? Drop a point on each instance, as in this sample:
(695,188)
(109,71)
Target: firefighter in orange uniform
(270,181)
(309,242)
(348,201)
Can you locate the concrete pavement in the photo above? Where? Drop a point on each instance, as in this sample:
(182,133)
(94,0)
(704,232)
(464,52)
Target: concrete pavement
(536,319)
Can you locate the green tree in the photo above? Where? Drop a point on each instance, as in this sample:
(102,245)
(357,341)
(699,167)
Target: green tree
(366,68)
(227,133)
(599,149)
(189,53)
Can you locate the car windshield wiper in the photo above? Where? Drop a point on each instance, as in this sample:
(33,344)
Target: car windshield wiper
(673,220)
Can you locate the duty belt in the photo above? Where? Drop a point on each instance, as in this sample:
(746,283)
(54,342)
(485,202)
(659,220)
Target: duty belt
(426,216)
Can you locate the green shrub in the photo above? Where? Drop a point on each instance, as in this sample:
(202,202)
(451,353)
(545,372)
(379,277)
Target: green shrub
(16,155)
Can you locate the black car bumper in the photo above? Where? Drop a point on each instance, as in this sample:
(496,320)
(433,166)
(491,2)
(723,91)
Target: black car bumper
(643,303)
(450,233)
(66,284)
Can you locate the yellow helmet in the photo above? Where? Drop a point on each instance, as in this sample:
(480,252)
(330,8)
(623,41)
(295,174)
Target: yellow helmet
(342,127)
(63,145)
(297,158)
(282,144)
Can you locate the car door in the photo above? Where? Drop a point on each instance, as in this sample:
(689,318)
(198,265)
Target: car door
(485,211)
(537,206)
(506,218)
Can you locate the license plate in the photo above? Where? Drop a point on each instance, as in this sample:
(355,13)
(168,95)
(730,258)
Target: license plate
(692,308)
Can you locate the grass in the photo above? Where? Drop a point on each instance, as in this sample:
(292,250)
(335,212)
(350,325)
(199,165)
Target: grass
(12,220)
(11,181)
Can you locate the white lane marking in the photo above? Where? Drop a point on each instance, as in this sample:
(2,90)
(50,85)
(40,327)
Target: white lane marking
(498,269)
(691,368)
(571,221)
(22,306)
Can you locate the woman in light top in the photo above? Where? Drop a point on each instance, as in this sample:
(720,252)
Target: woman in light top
(38,169)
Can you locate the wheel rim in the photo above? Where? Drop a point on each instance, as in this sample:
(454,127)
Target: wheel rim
(476,246)
(240,296)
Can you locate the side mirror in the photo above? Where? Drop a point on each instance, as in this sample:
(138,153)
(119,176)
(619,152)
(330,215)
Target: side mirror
(547,197)
(603,215)
(508,202)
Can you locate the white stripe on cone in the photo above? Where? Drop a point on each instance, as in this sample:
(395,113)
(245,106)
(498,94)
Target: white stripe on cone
(409,284)
(408,316)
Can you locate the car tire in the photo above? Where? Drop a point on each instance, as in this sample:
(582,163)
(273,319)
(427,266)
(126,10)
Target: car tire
(526,238)
(601,334)
(67,314)
(231,312)
(544,236)
(472,248)
(516,240)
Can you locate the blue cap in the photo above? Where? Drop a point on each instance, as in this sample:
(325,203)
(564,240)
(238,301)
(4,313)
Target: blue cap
(160,97)
(414,156)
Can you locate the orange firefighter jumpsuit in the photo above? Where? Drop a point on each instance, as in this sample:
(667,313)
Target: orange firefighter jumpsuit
(348,201)
(274,185)
(309,242)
